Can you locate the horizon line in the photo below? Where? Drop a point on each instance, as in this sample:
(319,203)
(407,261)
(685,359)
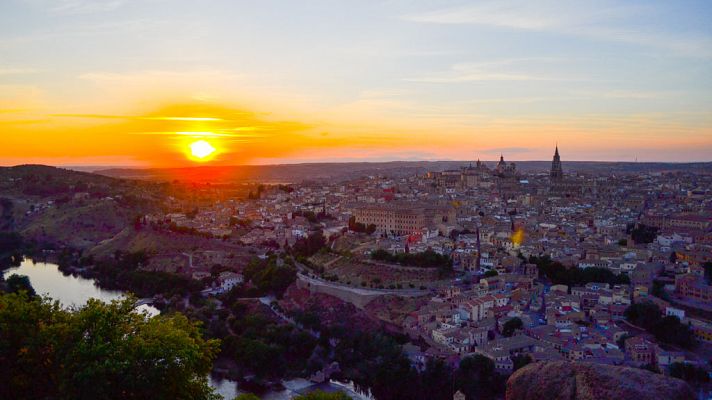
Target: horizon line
(95,167)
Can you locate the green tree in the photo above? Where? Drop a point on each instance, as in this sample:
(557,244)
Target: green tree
(320,395)
(11,248)
(436,381)
(426,259)
(491,273)
(644,234)
(478,379)
(621,341)
(10,242)
(310,245)
(376,362)
(99,351)
(688,372)
(645,314)
(659,290)
(708,272)
(269,277)
(666,329)
(670,330)
(521,360)
(511,326)
(557,273)
(247,396)
(16,283)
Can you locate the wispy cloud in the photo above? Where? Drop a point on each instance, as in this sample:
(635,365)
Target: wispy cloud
(598,22)
(497,70)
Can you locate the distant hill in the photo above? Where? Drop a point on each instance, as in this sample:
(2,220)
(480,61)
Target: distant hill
(339,171)
(66,207)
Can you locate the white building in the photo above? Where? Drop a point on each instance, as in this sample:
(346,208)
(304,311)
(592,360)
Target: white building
(228,280)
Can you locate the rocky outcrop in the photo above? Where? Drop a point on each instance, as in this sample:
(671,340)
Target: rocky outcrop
(563,380)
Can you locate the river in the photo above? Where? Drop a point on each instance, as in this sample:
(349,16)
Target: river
(71,291)
(74,291)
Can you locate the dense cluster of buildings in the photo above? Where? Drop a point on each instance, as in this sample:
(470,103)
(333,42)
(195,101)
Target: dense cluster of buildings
(655,228)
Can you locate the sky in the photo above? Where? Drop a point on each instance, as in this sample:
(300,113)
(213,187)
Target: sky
(139,83)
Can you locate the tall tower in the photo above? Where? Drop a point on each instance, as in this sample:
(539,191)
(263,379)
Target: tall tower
(556,172)
(501,165)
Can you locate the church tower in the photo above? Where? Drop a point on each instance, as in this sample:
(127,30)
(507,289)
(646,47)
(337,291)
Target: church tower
(556,172)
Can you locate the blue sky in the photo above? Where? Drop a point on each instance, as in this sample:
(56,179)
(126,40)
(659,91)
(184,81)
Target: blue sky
(388,79)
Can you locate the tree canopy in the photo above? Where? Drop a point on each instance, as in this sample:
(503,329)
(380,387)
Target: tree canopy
(478,379)
(557,273)
(708,272)
(491,273)
(361,227)
(310,245)
(124,273)
(643,233)
(247,396)
(320,395)
(16,283)
(99,351)
(269,276)
(426,259)
(688,372)
(511,326)
(667,329)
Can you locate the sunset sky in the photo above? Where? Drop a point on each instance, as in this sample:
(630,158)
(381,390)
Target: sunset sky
(137,83)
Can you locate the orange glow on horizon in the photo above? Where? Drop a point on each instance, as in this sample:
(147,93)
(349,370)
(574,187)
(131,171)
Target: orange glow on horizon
(161,136)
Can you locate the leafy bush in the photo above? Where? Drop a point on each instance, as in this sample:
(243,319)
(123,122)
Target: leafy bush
(99,351)
(667,329)
(557,273)
(426,259)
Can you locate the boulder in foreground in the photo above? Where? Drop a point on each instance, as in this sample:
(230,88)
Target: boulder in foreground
(563,380)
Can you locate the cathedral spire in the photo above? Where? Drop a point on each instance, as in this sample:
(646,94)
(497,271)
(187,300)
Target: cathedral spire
(556,171)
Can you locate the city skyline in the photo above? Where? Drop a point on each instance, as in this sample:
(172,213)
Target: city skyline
(130,83)
(355,200)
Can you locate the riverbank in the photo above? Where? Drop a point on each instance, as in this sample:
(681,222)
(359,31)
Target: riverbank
(74,290)
(71,290)
(289,389)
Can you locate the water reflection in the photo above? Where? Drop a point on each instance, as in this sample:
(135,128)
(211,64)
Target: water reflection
(71,291)
(228,389)
(74,291)
(224,387)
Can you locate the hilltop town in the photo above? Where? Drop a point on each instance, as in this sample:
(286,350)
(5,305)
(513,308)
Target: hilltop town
(481,260)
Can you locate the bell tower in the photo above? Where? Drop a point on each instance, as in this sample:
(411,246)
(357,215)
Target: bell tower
(556,171)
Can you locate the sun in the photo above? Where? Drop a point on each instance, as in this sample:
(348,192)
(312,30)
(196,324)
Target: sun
(201,149)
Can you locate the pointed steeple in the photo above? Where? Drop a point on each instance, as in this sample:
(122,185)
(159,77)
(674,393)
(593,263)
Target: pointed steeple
(556,170)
